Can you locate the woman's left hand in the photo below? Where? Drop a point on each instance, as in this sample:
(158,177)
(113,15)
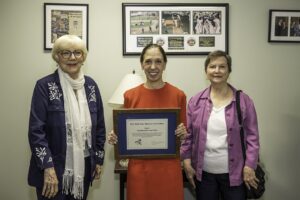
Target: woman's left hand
(97,171)
(250,178)
(181,131)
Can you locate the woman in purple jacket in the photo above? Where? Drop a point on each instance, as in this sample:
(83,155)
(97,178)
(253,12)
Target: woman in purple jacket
(66,127)
(212,153)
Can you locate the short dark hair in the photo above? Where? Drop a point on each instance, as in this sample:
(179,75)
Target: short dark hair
(149,46)
(216,54)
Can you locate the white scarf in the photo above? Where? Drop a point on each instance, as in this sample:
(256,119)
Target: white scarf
(78,131)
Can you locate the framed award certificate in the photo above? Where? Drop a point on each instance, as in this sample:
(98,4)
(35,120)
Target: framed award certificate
(146,133)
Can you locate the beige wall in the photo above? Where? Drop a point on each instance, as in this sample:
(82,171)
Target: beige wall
(269,73)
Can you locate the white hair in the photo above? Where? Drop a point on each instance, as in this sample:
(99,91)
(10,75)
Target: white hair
(65,40)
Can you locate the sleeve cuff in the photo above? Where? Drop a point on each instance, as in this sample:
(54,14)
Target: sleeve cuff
(99,156)
(43,157)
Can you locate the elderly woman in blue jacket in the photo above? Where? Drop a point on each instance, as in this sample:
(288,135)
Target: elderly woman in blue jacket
(66,127)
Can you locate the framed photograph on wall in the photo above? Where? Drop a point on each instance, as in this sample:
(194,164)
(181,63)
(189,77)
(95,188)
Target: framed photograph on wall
(61,19)
(181,29)
(284,26)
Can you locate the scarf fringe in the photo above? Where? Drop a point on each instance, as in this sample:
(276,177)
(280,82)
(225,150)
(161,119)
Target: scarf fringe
(78,188)
(68,181)
(70,187)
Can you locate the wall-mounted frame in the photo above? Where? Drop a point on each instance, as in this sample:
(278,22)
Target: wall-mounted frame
(181,29)
(284,26)
(61,19)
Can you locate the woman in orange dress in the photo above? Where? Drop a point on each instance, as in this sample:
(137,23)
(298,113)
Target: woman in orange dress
(155,179)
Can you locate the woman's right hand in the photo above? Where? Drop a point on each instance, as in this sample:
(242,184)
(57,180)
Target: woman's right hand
(112,138)
(50,187)
(189,171)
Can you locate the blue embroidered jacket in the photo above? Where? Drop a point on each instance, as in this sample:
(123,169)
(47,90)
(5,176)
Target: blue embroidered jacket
(47,130)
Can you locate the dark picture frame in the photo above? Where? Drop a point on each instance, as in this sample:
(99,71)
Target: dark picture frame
(284,26)
(146,133)
(180,28)
(61,19)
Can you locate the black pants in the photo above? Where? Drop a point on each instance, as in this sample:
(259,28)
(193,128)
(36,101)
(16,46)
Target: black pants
(216,187)
(61,196)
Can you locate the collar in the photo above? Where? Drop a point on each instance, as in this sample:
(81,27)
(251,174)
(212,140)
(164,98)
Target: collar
(206,93)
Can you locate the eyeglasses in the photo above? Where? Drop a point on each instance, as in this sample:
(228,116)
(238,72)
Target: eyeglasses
(66,54)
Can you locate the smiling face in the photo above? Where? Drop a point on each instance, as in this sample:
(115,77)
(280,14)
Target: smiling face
(70,64)
(69,52)
(153,65)
(217,70)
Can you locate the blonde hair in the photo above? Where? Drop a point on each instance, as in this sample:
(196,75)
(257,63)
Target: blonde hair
(66,40)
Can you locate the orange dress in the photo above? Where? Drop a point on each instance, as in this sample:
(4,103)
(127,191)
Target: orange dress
(155,179)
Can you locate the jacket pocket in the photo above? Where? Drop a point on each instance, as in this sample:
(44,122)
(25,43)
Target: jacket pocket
(55,116)
(56,108)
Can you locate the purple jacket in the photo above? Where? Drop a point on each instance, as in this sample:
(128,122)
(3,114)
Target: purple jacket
(198,112)
(47,130)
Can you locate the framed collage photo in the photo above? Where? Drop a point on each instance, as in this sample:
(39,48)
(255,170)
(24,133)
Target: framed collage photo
(284,26)
(181,29)
(61,19)
(146,133)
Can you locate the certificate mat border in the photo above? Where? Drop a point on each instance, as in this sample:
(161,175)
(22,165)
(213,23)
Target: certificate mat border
(119,118)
